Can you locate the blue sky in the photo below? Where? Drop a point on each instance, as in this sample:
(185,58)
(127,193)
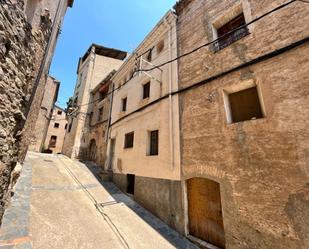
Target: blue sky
(121,24)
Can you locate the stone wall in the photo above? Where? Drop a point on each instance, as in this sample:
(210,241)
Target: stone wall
(163,198)
(261,165)
(45,114)
(21,50)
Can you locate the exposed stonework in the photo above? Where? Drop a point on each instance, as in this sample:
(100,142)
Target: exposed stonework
(97,124)
(97,63)
(20,52)
(262,164)
(25,55)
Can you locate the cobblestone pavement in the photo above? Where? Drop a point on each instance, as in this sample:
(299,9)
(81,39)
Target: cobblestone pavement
(59,203)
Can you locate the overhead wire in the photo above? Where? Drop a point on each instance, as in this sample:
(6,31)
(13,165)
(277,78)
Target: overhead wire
(194,50)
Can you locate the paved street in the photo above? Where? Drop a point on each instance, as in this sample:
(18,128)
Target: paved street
(59,203)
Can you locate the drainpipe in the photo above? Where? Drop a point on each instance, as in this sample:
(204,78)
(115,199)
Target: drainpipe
(170,89)
(108,164)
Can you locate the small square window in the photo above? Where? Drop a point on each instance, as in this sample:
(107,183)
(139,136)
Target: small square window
(124,105)
(232,31)
(160,47)
(129,140)
(146,90)
(245,105)
(149,55)
(59,112)
(154,143)
(53,142)
(56,125)
(100,114)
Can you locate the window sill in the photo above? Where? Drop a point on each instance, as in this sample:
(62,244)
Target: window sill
(144,102)
(256,120)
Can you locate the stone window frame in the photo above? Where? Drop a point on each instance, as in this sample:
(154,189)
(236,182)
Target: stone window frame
(145,82)
(121,104)
(227,15)
(149,132)
(237,87)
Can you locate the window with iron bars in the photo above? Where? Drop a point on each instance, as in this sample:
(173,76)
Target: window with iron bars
(228,36)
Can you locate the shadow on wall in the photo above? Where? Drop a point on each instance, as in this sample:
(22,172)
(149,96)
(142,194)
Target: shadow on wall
(164,230)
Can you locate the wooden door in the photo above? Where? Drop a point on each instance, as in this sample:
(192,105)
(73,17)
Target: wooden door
(205,211)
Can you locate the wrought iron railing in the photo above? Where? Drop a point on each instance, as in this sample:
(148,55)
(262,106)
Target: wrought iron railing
(227,40)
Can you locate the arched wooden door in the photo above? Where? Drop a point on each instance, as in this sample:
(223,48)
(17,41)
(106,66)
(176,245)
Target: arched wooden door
(92,150)
(205,211)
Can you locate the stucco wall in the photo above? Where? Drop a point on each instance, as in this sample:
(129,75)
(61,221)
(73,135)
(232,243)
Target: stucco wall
(45,114)
(93,71)
(163,116)
(54,131)
(261,165)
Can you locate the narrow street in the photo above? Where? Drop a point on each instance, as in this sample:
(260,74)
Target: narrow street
(59,203)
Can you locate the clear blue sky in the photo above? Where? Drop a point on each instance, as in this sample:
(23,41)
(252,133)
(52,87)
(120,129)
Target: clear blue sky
(121,24)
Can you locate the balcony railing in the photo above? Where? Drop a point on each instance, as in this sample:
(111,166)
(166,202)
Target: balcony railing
(227,40)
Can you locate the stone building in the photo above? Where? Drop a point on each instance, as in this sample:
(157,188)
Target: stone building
(144,144)
(93,67)
(56,131)
(28,33)
(244,122)
(45,115)
(96,126)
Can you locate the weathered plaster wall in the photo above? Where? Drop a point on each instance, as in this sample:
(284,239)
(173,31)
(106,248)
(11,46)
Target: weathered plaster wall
(261,165)
(54,131)
(91,73)
(43,120)
(20,52)
(162,197)
(162,116)
(56,19)
(96,127)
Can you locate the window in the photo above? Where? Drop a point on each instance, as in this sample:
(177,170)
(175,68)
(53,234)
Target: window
(129,140)
(59,112)
(66,126)
(245,105)
(124,105)
(102,95)
(90,118)
(154,143)
(53,141)
(146,90)
(100,115)
(229,38)
(56,125)
(149,55)
(160,47)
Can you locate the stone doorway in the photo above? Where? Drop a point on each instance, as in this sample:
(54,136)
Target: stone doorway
(205,211)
